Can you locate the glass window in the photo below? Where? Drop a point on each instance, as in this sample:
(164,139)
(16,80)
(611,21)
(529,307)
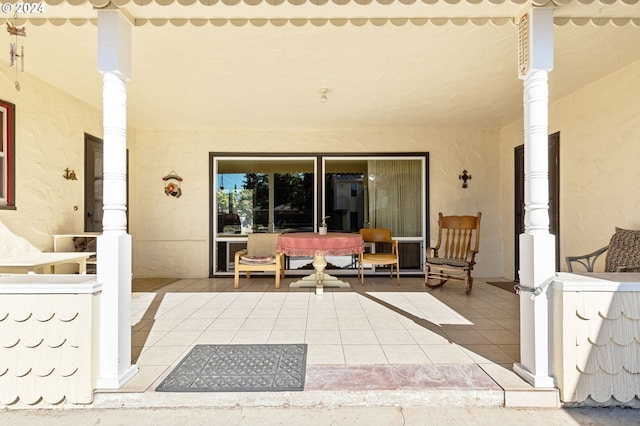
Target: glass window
(282,194)
(376,193)
(255,195)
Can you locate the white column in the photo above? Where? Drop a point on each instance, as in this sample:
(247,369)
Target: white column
(114,245)
(537,246)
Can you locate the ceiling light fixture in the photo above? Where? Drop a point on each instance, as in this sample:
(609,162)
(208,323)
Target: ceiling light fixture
(323,97)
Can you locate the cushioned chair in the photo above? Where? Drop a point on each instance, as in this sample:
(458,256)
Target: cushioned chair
(454,255)
(622,254)
(260,255)
(379,235)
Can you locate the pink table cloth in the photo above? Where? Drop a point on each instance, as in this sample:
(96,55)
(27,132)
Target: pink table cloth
(312,244)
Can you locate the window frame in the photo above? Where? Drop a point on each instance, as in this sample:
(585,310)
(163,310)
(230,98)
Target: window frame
(319,171)
(7,156)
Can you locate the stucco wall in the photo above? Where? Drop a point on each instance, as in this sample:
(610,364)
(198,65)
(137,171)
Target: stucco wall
(50,127)
(599,129)
(170,235)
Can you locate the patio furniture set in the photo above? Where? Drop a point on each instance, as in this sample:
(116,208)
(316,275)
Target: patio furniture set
(453,256)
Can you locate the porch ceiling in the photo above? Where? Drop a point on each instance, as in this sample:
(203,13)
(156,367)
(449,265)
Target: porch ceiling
(261,64)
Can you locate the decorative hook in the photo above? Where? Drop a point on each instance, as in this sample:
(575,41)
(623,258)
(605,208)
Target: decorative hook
(464,177)
(69,174)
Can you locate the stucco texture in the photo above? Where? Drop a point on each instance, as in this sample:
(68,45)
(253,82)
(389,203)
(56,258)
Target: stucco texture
(50,127)
(599,129)
(171,235)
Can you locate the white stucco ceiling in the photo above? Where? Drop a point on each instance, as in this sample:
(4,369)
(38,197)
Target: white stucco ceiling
(226,65)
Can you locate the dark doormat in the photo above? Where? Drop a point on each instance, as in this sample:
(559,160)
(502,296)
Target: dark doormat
(505,285)
(239,368)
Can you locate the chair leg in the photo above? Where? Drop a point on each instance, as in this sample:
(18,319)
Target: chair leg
(426,274)
(468,282)
(398,273)
(236,278)
(278,271)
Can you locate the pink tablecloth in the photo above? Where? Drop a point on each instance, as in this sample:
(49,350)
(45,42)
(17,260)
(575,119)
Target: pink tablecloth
(312,244)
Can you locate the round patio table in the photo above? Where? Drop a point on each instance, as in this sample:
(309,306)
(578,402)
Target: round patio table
(319,246)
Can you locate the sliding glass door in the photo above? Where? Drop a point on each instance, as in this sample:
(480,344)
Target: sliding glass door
(379,192)
(288,193)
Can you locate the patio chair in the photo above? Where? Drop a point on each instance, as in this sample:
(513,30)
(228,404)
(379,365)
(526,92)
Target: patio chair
(260,255)
(622,254)
(379,235)
(454,255)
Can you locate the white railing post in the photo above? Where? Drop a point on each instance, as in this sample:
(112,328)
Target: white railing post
(537,246)
(114,245)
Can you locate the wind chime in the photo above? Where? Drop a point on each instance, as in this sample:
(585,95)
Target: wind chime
(16,49)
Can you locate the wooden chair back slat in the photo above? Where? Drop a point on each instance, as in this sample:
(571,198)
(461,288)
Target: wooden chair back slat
(458,236)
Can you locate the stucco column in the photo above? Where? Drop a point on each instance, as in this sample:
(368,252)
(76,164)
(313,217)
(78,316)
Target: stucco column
(114,245)
(537,246)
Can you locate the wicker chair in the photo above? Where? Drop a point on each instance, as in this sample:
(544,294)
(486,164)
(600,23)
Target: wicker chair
(454,255)
(621,255)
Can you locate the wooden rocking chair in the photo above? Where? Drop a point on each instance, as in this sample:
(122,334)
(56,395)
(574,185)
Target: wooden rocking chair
(454,255)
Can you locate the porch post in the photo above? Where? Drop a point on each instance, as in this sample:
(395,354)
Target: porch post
(537,247)
(114,245)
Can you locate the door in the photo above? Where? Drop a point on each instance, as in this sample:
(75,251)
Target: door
(554,198)
(93,203)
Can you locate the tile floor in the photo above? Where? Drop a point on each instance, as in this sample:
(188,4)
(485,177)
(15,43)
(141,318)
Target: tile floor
(377,325)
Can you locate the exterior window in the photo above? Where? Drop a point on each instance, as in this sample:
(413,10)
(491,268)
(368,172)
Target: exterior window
(7,160)
(264,196)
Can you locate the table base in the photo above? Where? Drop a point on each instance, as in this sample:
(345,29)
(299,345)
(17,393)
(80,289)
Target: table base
(319,279)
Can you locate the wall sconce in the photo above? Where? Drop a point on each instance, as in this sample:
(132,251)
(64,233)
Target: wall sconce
(464,177)
(69,174)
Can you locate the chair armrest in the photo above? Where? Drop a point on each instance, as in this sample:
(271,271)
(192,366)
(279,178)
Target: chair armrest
(238,254)
(634,268)
(431,252)
(586,260)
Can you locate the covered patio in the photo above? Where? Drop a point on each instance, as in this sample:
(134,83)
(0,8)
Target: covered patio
(178,81)
(378,344)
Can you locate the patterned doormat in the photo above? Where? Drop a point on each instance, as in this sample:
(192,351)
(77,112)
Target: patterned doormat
(239,368)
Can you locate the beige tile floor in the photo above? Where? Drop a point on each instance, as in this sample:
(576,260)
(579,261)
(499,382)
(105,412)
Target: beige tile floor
(375,324)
